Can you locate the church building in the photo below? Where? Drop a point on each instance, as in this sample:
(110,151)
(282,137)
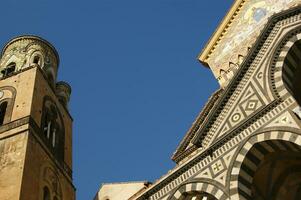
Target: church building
(246,142)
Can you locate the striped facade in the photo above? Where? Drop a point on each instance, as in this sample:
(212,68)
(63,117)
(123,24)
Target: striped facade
(229,167)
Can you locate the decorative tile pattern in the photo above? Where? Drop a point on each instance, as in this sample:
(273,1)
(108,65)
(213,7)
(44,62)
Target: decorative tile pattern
(284,120)
(241,33)
(240,98)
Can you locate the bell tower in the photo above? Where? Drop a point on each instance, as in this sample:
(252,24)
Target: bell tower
(35,123)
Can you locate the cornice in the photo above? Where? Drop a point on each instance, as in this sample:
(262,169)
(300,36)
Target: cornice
(220,31)
(179,170)
(181,151)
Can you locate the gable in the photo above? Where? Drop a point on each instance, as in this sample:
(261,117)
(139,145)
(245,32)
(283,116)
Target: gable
(186,146)
(246,96)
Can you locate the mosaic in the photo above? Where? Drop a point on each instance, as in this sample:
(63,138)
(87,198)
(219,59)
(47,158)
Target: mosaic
(244,30)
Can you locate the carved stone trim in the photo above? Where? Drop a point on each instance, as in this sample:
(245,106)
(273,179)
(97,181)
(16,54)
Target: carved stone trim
(14,124)
(235,87)
(181,151)
(182,173)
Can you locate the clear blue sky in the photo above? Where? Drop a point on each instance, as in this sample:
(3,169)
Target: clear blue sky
(137,86)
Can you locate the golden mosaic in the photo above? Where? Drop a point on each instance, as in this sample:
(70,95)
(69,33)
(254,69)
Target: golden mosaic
(241,33)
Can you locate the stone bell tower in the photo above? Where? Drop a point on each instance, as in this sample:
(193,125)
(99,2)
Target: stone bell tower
(35,124)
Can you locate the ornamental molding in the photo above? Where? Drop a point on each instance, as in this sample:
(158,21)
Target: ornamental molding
(184,172)
(254,58)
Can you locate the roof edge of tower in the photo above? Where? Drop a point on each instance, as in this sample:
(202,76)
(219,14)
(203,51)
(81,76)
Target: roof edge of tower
(33,37)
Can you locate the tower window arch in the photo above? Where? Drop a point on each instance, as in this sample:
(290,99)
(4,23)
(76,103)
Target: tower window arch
(52,129)
(36,59)
(9,69)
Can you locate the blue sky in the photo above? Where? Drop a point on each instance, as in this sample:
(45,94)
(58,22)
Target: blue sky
(137,85)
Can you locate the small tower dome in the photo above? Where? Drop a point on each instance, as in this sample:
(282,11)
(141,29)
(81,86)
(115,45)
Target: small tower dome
(28,51)
(63,92)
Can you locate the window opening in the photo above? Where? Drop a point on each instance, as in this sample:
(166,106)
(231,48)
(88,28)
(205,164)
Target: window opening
(46,193)
(47,126)
(36,59)
(50,130)
(9,70)
(3,107)
(53,137)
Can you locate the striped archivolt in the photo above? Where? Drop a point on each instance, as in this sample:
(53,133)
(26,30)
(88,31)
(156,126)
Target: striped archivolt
(198,191)
(268,167)
(288,69)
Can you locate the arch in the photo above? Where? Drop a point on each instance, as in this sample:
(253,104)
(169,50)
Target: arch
(52,123)
(281,70)
(252,153)
(199,188)
(7,95)
(37,58)
(49,177)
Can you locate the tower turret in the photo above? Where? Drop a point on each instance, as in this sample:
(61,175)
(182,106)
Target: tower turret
(63,92)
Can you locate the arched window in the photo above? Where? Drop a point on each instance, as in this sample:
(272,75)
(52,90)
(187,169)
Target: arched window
(46,193)
(53,130)
(36,60)
(3,107)
(9,70)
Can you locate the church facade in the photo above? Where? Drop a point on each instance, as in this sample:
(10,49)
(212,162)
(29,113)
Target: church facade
(246,142)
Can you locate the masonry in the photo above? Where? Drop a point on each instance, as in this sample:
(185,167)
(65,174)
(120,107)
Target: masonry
(246,142)
(35,123)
